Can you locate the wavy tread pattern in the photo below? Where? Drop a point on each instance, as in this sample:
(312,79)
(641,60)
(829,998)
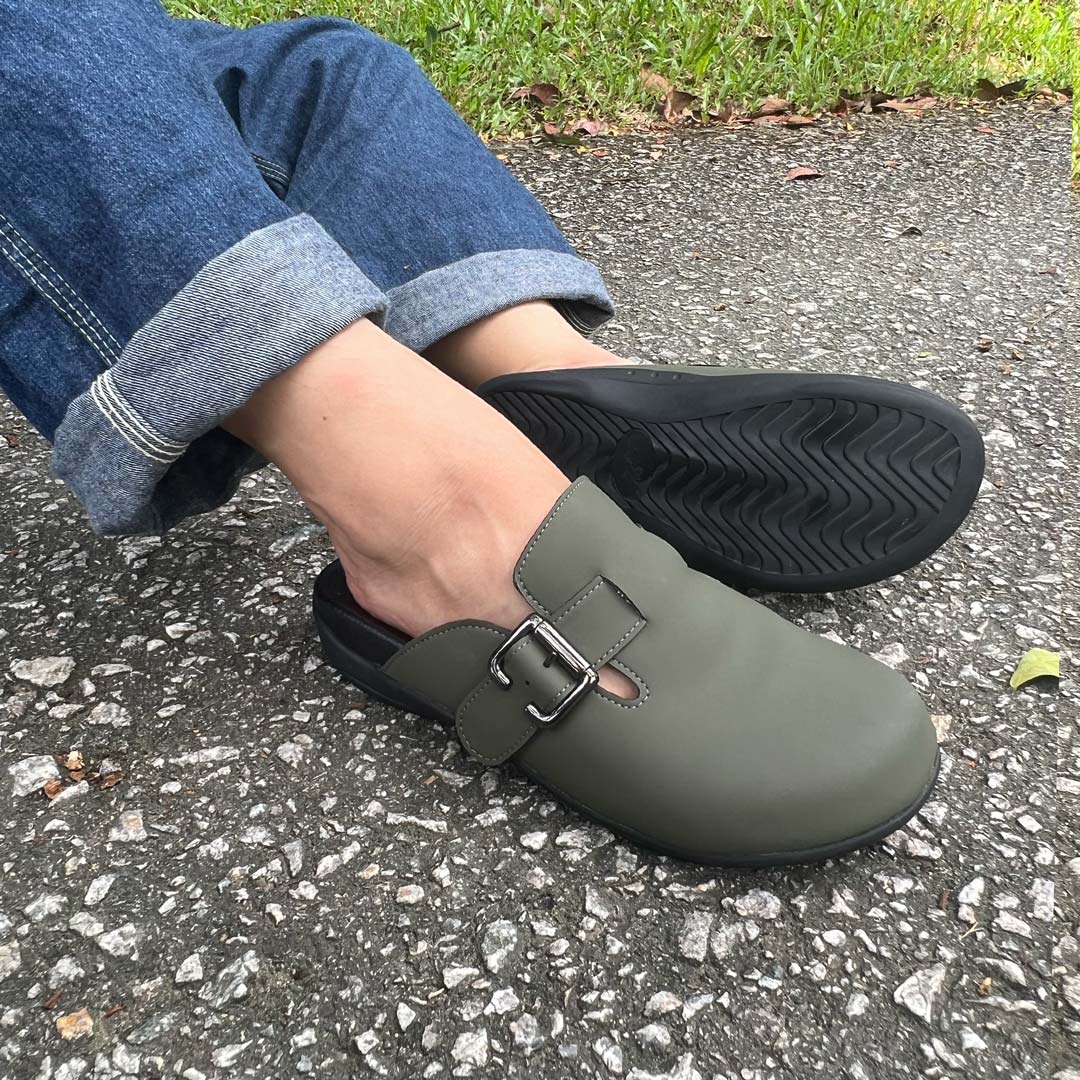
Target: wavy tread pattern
(802,488)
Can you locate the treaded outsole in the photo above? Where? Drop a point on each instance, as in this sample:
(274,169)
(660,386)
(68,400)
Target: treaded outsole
(796,483)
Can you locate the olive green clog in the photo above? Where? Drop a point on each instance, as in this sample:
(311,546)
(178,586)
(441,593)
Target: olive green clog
(750,741)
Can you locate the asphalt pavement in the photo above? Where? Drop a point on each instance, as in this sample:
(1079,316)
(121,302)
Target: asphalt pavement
(262,874)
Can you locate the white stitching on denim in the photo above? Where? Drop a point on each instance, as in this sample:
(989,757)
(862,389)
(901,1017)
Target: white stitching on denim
(273,174)
(112,405)
(120,404)
(135,421)
(102,406)
(270,168)
(42,284)
(99,395)
(129,431)
(131,438)
(48,290)
(59,282)
(268,162)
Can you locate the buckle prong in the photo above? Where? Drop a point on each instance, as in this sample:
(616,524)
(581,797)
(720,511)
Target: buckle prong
(537,626)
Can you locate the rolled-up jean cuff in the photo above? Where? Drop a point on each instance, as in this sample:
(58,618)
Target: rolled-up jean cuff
(441,301)
(141,447)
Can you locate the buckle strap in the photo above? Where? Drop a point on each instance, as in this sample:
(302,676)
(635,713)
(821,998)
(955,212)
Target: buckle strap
(570,658)
(544,668)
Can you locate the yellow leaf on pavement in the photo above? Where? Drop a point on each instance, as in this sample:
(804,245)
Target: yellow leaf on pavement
(1035,663)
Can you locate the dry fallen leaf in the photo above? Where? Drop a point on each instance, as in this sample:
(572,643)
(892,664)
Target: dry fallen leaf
(987,91)
(786,119)
(568,133)
(984,344)
(772,106)
(803,172)
(53,788)
(675,104)
(985,129)
(589,127)
(913,105)
(723,116)
(111,779)
(74,760)
(986,986)
(544,93)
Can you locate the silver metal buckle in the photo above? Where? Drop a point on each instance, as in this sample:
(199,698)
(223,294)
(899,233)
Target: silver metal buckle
(569,657)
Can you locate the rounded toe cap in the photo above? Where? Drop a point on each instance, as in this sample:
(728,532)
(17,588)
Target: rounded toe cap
(795,785)
(820,752)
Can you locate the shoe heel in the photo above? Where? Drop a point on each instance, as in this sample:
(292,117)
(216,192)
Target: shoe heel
(369,677)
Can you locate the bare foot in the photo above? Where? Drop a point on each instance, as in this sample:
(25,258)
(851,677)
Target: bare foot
(428,494)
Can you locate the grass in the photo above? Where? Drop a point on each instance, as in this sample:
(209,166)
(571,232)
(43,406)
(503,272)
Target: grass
(1076,101)
(724,51)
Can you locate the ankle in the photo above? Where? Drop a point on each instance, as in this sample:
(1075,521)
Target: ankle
(458,565)
(528,337)
(455,558)
(581,354)
(428,494)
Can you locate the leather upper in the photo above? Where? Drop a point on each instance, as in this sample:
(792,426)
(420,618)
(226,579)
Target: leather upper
(748,735)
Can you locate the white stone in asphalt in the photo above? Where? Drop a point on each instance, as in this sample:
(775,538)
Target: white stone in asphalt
(45,671)
(32,773)
(919,991)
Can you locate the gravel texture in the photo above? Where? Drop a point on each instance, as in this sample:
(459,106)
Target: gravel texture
(257,872)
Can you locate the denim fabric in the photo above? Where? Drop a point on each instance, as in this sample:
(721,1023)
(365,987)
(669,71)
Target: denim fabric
(189,209)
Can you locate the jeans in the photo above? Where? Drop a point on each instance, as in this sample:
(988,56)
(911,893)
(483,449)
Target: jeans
(186,210)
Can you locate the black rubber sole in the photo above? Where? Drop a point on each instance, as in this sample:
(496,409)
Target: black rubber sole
(779,481)
(367,674)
